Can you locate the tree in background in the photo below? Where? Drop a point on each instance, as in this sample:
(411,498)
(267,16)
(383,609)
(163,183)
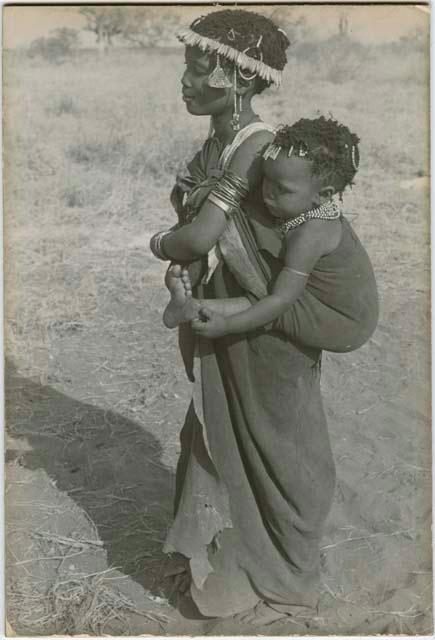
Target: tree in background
(150,26)
(343,25)
(106,23)
(293,22)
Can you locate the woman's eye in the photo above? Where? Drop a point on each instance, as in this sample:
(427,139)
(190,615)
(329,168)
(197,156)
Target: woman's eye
(190,66)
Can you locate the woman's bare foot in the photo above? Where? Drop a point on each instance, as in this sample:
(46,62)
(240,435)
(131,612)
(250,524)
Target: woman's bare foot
(261,615)
(182,307)
(181,579)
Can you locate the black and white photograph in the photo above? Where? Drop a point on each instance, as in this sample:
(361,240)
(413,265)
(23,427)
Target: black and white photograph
(217,320)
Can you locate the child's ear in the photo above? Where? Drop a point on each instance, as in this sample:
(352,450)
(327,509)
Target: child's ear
(325,194)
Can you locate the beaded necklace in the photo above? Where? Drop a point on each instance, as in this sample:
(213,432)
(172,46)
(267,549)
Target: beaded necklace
(327,211)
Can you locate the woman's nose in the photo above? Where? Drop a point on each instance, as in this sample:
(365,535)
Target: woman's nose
(267,192)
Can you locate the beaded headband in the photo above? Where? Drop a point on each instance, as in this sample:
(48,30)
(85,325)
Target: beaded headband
(241,59)
(273,149)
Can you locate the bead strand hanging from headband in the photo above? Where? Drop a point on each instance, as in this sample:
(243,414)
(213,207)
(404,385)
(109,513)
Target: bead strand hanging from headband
(235,121)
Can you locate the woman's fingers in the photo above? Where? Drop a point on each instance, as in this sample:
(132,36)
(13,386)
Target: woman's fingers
(205,314)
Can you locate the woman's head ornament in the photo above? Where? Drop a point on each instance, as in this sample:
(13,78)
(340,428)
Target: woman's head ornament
(251,41)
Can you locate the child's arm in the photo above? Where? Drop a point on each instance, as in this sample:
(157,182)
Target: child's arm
(195,240)
(226,306)
(305,245)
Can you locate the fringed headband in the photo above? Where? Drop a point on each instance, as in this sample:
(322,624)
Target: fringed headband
(191,38)
(273,149)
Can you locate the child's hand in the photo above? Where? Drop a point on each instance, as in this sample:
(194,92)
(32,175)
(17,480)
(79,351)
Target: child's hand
(209,324)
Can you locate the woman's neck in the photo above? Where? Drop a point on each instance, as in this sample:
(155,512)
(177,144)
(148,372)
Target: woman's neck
(222,123)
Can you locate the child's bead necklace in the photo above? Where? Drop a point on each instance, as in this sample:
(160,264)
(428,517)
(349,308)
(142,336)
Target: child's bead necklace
(327,211)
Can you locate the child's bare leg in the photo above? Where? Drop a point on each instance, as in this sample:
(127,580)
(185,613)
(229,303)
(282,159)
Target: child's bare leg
(182,307)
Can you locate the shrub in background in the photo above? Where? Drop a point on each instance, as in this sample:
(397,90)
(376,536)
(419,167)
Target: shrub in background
(57,48)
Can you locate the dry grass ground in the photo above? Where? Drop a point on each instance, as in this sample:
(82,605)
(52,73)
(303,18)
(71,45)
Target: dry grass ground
(95,388)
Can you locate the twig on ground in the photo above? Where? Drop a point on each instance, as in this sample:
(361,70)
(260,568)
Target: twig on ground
(41,559)
(71,542)
(370,535)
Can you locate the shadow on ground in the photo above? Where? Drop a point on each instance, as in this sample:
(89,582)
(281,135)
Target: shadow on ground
(109,465)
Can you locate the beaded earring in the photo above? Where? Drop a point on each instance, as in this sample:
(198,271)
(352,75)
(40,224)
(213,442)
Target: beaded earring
(235,121)
(244,74)
(218,78)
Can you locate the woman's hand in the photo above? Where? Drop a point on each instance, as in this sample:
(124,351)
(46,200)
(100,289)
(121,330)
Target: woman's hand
(210,324)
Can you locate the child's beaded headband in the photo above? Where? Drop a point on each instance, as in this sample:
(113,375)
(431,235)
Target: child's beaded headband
(273,150)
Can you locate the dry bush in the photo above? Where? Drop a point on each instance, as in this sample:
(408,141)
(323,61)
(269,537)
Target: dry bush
(63,105)
(337,59)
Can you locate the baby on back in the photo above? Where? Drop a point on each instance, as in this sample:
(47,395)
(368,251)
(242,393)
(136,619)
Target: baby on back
(322,292)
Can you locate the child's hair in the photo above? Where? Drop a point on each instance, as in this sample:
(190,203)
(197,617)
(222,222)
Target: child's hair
(332,148)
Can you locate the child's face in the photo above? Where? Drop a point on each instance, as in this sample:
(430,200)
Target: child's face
(200,99)
(289,186)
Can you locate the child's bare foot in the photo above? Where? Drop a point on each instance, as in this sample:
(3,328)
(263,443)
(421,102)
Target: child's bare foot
(182,307)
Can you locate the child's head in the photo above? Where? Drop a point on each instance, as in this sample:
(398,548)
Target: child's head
(308,163)
(231,51)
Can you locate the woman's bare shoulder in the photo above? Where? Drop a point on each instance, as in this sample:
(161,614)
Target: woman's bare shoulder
(250,152)
(254,144)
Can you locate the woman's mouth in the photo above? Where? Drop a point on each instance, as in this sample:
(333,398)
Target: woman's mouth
(187,97)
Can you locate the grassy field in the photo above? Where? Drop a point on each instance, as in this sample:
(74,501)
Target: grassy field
(96,393)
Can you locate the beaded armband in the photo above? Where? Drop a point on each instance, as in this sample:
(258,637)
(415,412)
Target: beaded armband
(229,192)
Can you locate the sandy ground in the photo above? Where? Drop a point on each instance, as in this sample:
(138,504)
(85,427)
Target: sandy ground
(96,393)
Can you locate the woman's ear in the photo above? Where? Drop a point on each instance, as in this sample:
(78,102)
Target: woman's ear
(245,86)
(325,194)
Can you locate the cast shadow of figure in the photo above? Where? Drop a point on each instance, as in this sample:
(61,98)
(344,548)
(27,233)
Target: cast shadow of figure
(109,465)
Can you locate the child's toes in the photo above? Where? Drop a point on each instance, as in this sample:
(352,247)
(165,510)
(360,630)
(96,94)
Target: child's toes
(176,271)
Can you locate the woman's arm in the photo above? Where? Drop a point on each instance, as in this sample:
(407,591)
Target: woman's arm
(197,238)
(305,246)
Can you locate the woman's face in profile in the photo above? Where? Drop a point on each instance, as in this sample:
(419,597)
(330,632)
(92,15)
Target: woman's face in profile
(199,97)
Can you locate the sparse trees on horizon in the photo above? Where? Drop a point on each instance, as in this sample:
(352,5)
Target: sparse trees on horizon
(105,22)
(140,26)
